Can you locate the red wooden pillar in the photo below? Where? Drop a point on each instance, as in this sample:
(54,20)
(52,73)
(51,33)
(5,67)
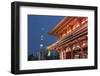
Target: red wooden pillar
(64,54)
(61,54)
(71,51)
(81,52)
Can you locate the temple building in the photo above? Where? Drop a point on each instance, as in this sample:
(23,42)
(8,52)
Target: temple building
(72,38)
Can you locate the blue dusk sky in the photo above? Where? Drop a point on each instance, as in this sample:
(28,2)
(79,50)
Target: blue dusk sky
(38,28)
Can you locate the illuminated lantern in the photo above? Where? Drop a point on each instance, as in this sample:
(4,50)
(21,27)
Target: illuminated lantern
(49,52)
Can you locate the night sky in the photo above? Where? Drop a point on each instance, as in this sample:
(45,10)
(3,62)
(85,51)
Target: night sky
(38,28)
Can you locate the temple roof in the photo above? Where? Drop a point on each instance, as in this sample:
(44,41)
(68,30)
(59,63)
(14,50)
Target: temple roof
(64,24)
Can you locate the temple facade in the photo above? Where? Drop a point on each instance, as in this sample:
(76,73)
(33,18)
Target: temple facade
(72,38)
